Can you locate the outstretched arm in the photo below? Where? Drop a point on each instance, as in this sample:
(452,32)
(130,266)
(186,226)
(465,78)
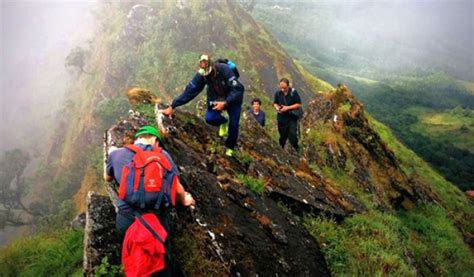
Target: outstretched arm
(190,92)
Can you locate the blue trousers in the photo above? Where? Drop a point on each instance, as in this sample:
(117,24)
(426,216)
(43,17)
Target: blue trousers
(215,118)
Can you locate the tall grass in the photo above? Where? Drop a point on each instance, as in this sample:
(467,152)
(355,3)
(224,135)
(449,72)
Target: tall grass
(423,240)
(55,254)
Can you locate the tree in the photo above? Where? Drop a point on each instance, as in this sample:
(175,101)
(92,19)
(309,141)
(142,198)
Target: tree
(13,187)
(248,4)
(76,58)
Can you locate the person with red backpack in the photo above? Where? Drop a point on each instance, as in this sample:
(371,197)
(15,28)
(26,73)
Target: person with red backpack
(149,186)
(224,92)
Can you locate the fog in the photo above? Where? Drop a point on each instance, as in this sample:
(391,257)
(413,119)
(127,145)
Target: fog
(387,35)
(36,36)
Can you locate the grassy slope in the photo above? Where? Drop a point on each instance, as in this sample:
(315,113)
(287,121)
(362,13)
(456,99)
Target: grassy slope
(54,254)
(424,239)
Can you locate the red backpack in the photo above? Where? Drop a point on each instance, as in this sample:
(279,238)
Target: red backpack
(147,178)
(143,249)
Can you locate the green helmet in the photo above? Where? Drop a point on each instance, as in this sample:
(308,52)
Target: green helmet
(148,130)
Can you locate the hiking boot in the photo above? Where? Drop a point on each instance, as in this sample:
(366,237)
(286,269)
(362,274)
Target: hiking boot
(229,152)
(223,128)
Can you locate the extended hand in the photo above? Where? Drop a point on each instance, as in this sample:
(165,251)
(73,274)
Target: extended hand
(219,106)
(168,111)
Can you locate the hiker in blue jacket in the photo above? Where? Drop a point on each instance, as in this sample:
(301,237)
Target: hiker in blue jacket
(224,92)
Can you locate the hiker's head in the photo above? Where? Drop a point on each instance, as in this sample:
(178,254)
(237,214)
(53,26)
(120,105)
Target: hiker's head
(205,64)
(256,104)
(284,84)
(147,135)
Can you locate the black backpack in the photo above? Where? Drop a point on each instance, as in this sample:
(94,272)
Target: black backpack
(231,65)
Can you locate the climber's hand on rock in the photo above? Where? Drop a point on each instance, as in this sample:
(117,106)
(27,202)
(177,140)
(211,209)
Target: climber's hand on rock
(168,111)
(188,199)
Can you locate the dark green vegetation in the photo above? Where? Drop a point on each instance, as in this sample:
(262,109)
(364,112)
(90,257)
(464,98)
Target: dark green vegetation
(428,110)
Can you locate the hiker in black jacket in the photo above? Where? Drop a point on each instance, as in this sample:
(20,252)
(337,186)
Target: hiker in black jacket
(287,102)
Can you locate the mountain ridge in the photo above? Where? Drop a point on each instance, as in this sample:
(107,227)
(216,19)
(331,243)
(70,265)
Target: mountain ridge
(348,161)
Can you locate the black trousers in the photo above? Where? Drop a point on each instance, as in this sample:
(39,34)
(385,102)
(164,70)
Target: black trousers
(288,129)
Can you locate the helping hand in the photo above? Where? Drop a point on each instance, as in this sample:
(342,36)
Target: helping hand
(168,111)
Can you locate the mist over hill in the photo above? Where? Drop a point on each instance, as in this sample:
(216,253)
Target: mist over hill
(378,38)
(35,40)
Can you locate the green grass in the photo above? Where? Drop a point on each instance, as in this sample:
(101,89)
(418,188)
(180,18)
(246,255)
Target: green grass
(432,235)
(254,184)
(54,254)
(147,111)
(366,244)
(243,157)
(345,108)
(380,244)
(454,125)
(190,255)
(452,198)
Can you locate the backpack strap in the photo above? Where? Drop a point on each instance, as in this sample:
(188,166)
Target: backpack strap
(133,148)
(153,233)
(161,193)
(141,188)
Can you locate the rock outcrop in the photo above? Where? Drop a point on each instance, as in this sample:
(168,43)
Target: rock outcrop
(355,147)
(237,230)
(100,237)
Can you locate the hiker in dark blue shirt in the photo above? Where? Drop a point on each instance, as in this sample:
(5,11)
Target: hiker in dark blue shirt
(287,101)
(224,92)
(257,113)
